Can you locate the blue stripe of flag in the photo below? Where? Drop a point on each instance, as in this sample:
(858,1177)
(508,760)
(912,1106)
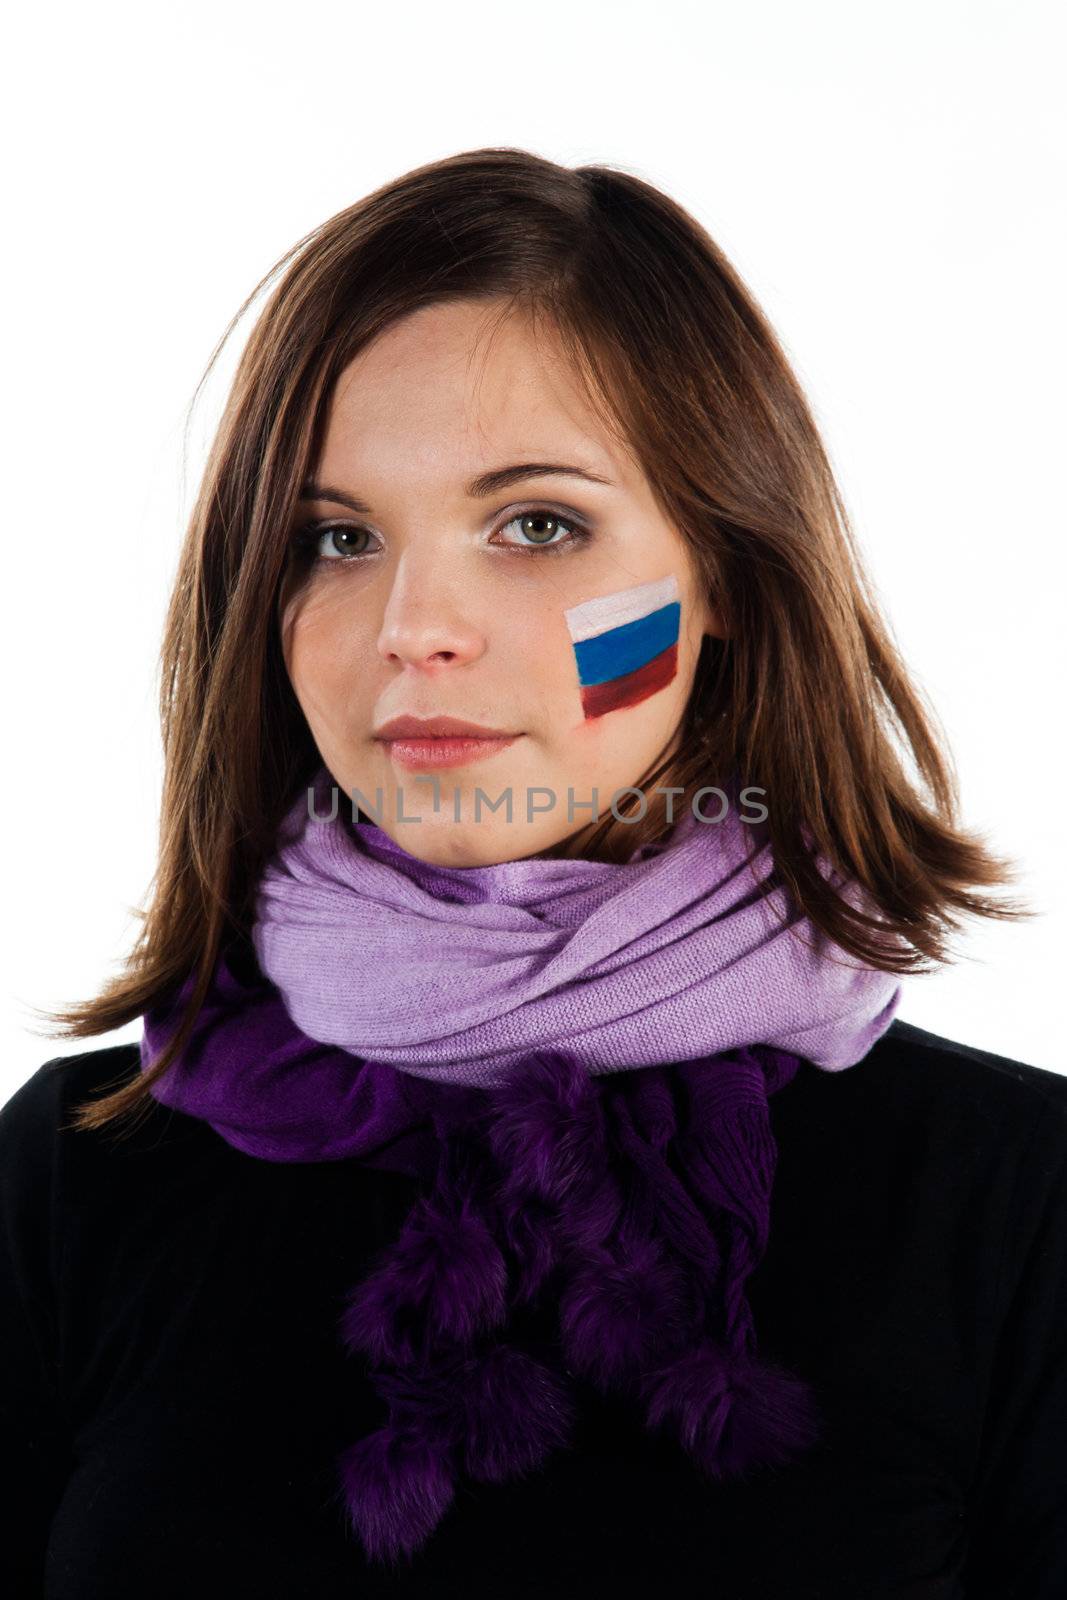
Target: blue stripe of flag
(630,646)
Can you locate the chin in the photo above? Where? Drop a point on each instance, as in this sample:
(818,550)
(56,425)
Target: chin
(446,843)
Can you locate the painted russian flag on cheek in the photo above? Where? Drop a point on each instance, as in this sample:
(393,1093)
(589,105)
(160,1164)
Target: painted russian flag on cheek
(625,644)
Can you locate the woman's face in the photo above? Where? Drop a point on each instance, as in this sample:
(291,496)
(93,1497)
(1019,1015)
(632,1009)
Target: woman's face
(556,606)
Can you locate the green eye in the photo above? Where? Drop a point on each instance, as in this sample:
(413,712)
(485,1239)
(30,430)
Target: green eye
(540,527)
(311,534)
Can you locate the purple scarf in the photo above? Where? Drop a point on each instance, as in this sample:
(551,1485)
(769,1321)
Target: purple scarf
(512,999)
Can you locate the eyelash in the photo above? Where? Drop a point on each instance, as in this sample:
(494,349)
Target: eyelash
(307,537)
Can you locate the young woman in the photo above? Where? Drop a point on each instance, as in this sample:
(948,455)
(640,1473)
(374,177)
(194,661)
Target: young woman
(524,1182)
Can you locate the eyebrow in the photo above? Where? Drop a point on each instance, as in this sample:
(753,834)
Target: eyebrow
(486,483)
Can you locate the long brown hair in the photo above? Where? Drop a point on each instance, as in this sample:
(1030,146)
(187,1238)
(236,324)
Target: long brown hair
(807,697)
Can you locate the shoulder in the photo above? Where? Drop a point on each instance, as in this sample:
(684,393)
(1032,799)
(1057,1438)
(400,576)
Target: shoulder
(983,1100)
(918,1102)
(911,1072)
(60,1082)
(957,1132)
(37,1195)
(38,1115)
(968,1070)
(48,1160)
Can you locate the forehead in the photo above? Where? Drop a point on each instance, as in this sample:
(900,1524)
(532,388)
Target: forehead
(452,389)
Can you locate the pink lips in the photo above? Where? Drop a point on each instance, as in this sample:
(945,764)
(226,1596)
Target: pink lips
(443,752)
(441,741)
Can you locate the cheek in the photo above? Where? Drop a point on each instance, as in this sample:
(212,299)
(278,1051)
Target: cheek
(625,645)
(321,649)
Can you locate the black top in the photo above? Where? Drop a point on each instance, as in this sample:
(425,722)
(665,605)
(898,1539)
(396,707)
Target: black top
(173,1391)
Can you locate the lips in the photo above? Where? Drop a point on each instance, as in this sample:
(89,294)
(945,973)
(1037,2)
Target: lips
(422,728)
(423,742)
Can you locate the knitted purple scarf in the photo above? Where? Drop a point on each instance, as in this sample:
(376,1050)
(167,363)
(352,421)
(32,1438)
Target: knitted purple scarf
(635,1201)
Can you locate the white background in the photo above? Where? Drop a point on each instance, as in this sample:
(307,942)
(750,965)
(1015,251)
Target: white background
(888,179)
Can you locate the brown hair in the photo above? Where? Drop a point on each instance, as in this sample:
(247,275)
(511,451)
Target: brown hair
(807,697)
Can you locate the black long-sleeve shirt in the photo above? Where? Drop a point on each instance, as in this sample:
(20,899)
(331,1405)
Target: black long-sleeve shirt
(173,1392)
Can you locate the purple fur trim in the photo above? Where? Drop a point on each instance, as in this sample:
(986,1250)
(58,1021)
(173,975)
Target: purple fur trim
(396,1489)
(642,1223)
(615,1312)
(547,1132)
(445,1278)
(425,1400)
(774,1416)
(692,1396)
(517,1412)
(506,1410)
(732,1414)
(528,1233)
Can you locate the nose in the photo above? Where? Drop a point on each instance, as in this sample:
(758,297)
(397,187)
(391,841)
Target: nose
(428,618)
